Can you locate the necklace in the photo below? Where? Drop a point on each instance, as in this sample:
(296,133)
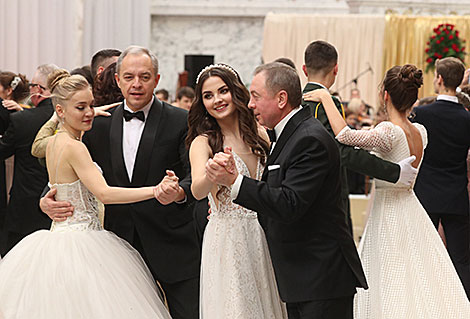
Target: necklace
(70,134)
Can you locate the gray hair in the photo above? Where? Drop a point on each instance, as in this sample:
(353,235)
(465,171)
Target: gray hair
(45,69)
(134,49)
(279,77)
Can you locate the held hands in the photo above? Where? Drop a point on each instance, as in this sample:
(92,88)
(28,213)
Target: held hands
(169,189)
(407,172)
(316,95)
(221,169)
(57,211)
(11,105)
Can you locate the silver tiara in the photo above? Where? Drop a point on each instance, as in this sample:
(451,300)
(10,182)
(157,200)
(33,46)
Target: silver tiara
(212,66)
(14,83)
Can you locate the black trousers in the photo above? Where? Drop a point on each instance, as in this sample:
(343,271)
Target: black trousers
(456,229)
(200,212)
(340,308)
(182,296)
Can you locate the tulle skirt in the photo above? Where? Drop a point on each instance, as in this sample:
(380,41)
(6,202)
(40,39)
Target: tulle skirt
(76,274)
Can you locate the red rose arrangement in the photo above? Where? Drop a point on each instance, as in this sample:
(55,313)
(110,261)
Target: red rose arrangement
(443,43)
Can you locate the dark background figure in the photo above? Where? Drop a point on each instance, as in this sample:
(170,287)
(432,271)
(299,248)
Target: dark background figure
(84,71)
(29,179)
(286,61)
(441,185)
(105,88)
(184,97)
(14,89)
(102,59)
(162,95)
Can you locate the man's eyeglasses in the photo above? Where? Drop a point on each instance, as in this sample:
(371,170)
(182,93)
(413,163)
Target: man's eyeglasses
(31,85)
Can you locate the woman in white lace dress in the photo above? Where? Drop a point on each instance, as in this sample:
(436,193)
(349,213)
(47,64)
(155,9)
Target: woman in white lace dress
(77,269)
(237,277)
(409,271)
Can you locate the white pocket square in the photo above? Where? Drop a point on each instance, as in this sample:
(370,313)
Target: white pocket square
(273,167)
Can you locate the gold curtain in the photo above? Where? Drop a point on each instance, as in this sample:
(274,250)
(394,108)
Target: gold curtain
(405,42)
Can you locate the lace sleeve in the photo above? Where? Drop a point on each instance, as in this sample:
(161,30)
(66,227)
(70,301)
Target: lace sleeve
(379,138)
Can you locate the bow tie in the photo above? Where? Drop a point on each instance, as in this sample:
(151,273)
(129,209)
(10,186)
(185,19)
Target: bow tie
(272,135)
(130,115)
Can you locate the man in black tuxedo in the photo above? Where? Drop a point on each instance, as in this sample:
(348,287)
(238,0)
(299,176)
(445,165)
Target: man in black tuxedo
(136,146)
(29,178)
(298,201)
(441,185)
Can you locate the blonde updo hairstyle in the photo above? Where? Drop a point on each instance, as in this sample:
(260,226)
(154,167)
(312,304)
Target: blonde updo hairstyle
(63,85)
(402,84)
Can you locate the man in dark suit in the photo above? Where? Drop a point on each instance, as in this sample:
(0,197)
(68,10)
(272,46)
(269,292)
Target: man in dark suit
(321,68)
(4,122)
(441,185)
(135,146)
(298,201)
(29,178)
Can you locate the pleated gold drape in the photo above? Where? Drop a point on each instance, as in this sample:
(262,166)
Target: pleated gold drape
(405,41)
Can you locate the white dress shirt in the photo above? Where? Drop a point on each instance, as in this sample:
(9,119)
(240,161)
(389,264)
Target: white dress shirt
(278,130)
(131,134)
(450,98)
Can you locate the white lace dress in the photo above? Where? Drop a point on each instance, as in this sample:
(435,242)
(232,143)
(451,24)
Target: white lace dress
(237,276)
(77,270)
(409,271)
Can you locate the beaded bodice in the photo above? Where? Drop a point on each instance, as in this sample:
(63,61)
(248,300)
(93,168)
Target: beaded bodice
(226,208)
(87,208)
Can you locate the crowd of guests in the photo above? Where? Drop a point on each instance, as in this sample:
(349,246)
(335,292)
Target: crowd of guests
(141,141)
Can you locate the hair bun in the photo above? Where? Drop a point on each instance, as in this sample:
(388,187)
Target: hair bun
(56,78)
(411,76)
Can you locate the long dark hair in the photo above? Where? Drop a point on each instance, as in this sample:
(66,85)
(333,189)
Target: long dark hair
(105,88)
(200,122)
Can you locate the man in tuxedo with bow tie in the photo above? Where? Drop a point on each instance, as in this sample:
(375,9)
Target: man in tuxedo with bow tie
(142,144)
(298,201)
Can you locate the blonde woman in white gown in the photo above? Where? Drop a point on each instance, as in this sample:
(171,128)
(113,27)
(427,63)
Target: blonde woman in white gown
(409,271)
(237,276)
(77,270)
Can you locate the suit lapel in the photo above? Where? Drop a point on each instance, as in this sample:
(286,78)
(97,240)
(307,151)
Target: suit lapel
(146,145)
(115,147)
(288,130)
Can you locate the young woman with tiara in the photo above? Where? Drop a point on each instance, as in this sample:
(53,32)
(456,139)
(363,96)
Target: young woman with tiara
(409,271)
(77,269)
(237,277)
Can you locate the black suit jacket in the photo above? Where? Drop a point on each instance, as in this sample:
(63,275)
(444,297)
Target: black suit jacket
(166,232)
(29,177)
(355,159)
(441,185)
(4,118)
(299,206)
